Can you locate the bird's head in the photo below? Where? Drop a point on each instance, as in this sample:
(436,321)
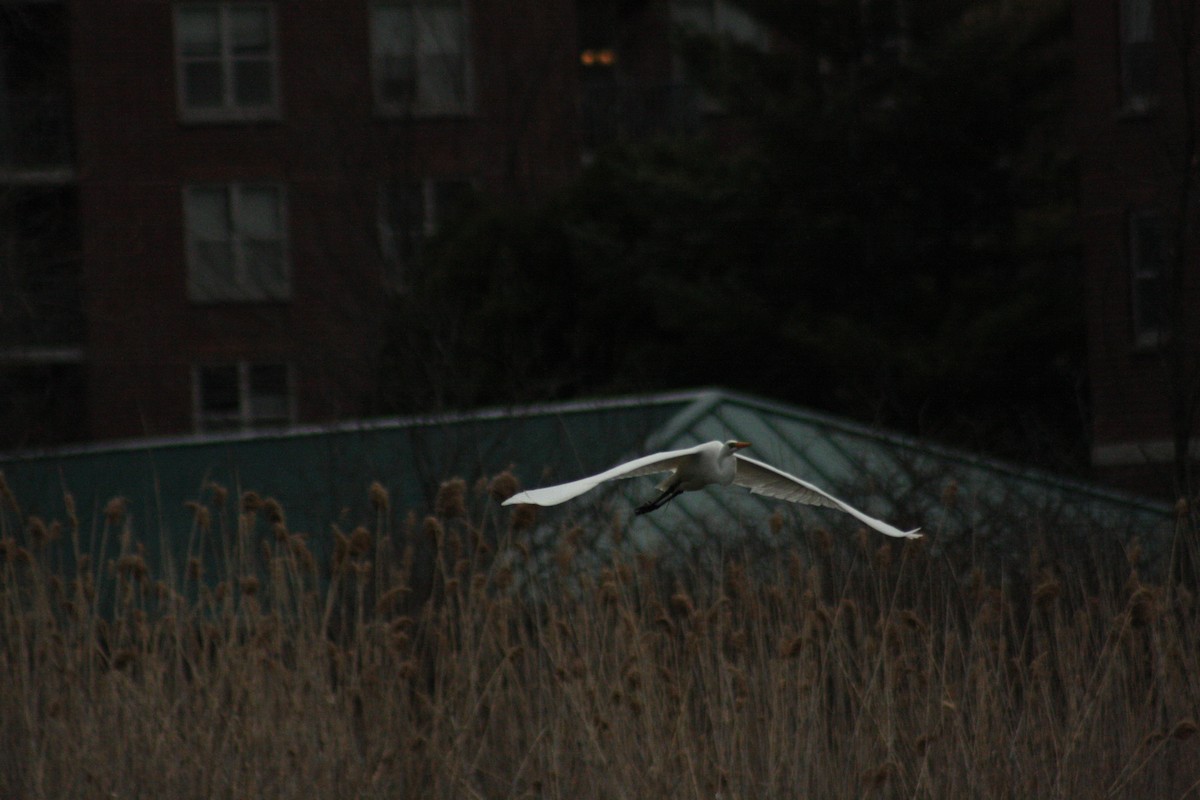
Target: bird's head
(733,445)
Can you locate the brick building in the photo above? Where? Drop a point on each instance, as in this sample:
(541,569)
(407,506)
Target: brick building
(204,205)
(1137,108)
(41,311)
(246,183)
(254,177)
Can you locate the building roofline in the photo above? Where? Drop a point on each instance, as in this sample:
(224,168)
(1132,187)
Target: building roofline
(695,404)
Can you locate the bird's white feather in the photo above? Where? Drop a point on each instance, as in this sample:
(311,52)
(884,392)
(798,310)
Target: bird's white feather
(701,466)
(768,481)
(646,465)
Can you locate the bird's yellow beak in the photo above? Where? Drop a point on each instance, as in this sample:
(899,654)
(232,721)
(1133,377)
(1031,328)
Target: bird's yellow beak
(739,445)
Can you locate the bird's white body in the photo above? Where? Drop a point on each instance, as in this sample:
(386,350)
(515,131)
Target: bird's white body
(705,465)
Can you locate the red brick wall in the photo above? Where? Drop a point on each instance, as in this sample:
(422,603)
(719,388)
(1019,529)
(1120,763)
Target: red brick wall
(1127,161)
(331,151)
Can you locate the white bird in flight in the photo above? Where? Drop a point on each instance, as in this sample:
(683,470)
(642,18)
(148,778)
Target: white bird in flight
(703,465)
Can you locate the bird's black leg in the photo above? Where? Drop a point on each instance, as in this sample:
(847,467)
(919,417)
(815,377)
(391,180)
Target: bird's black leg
(658,502)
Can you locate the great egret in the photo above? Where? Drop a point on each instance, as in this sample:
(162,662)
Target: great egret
(703,465)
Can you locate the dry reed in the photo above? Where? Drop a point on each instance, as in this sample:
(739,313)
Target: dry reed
(870,670)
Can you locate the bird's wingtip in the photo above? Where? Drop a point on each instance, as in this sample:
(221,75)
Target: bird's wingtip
(915,533)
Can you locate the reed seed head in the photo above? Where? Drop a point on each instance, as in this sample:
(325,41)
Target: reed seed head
(1046,592)
(824,541)
(681,604)
(219,494)
(378,496)
(37,532)
(1184,729)
(391,599)
(450,502)
(1133,553)
(792,647)
(1143,607)
(523,518)
(251,502)
(132,566)
(503,486)
(69,505)
(114,511)
(360,541)
(273,510)
(433,530)
(504,578)
(6,494)
(200,514)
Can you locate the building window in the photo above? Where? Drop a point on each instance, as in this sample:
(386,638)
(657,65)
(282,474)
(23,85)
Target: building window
(243,396)
(235,243)
(703,23)
(718,19)
(1139,63)
(1148,268)
(420,57)
(227,61)
(412,211)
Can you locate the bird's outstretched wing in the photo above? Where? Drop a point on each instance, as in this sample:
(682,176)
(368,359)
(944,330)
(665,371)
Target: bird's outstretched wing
(768,481)
(646,465)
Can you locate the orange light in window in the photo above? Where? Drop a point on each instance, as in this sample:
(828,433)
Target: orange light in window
(603,57)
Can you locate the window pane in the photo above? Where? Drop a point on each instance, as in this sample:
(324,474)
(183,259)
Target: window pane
(202,84)
(268,379)
(392,32)
(396,79)
(1150,305)
(451,199)
(249,31)
(269,395)
(1137,21)
(213,267)
(264,268)
(199,32)
(440,30)
(1139,69)
(1147,251)
(405,206)
(219,390)
(208,213)
(252,83)
(441,67)
(441,82)
(258,212)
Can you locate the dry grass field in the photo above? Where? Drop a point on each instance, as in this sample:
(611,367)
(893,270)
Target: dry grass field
(867,668)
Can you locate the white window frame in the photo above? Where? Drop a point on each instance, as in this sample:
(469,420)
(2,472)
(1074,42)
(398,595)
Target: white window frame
(245,417)
(230,110)
(422,103)
(1147,279)
(246,286)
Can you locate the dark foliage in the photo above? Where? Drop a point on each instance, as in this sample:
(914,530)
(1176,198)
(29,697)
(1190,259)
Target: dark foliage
(894,242)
